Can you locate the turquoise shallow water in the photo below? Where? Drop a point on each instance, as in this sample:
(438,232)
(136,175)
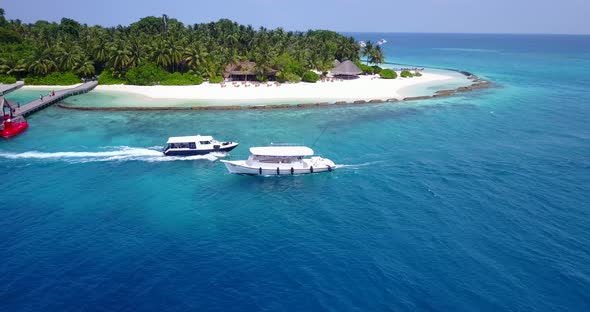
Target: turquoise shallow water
(472,202)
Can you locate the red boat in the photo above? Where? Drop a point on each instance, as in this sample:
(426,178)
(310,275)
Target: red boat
(13,126)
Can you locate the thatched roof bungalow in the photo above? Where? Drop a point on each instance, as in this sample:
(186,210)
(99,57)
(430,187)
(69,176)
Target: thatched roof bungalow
(245,71)
(347,70)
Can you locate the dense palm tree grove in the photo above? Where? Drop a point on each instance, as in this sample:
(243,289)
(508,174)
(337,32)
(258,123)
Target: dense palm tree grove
(204,50)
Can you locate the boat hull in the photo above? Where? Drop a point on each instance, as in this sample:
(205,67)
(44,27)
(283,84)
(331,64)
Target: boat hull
(305,167)
(16,129)
(193,152)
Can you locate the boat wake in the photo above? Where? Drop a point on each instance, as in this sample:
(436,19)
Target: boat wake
(357,166)
(111,153)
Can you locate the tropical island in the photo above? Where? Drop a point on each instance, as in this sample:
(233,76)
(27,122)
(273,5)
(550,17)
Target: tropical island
(162,58)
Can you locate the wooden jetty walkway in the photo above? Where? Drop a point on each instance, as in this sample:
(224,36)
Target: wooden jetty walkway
(47,100)
(6,88)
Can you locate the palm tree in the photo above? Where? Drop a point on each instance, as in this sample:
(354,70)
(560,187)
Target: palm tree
(265,59)
(175,55)
(67,58)
(5,66)
(41,67)
(136,52)
(194,56)
(368,50)
(376,56)
(41,63)
(100,52)
(85,68)
(119,59)
(161,54)
(18,69)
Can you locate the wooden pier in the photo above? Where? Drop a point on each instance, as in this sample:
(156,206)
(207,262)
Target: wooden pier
(6,88)
(47,100)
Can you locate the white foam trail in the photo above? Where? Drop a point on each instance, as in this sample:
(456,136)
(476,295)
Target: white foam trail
(120,153)
(359,165)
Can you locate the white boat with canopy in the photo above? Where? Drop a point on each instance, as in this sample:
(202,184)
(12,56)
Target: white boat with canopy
(196,145)
(280,160)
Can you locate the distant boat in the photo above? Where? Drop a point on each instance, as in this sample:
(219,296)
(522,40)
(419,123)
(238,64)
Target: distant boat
(196,145)
(279,160)
(363,44)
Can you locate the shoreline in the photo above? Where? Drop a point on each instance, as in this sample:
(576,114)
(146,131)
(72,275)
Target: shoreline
(476,84)
(363,88)
(253,96)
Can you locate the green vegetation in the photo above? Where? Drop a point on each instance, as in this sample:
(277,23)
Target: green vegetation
(147,74)
(292,77)
(368,70)
(119,54)
(406,74)
(287,64)
(287,77)
(376,69)
(261,78)
(7,79)
(310,76)
(54,78)
(388,74)
(178,79)
(107,78)
(417,74)
(216,79)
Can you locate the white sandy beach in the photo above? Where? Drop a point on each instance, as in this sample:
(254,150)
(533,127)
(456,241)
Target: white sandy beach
(364,88)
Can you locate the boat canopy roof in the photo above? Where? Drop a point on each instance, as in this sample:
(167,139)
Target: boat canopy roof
(186,139)
(282,151)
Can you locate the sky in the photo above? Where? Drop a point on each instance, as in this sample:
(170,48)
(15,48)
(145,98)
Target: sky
(438,16)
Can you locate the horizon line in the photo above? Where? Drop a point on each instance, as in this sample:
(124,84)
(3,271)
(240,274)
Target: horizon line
(320,28)
(466,33)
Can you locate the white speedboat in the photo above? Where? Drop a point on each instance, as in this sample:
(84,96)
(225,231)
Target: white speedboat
(196,145)
(279,160)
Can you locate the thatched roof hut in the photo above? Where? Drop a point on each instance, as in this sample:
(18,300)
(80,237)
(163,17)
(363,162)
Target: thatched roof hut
(335,63)
(244,71)
(346,69)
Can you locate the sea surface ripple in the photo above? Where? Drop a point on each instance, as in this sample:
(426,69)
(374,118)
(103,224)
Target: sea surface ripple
(476,202)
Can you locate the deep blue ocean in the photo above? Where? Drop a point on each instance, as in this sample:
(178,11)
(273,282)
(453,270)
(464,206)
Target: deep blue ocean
(476,202)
